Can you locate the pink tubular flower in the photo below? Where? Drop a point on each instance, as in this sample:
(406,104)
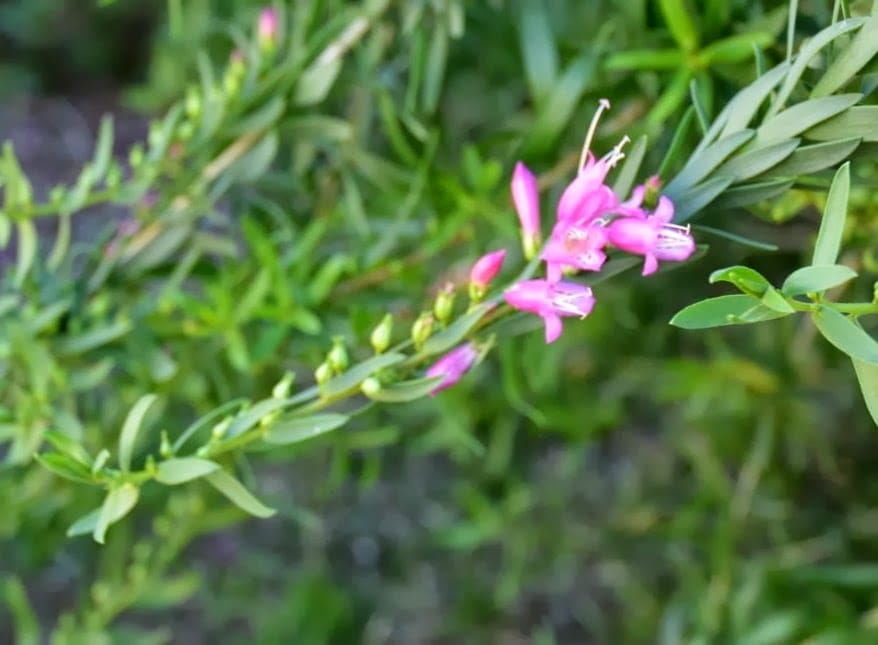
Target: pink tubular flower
(526,197)
(484,270)
(453,366)
(653,236)
(551,301)
(578,248)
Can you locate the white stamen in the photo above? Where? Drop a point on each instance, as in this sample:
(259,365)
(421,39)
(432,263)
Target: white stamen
(616,155)
(603,104)
(566,302)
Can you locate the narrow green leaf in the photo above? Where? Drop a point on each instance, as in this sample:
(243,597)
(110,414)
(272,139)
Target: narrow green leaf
(62,241)
(351,379)
(251,416)
(693,200)
(131,427)
(756,192)
(404,391)
(538,49)
(806,160)
(644,59)
(27,250)
(66,467)
(676,146)
(701,165)
(94,338)
(817,279)
(434,68)
(68,446)
(862,49)
(316,81)
(751,163)
(178,470)
(808,51)
(293,429)
(774,300)
(206,421)
(85,524)
(740,239)
(555,112)
(24,618)
(236,493)
(845,334)
(261,119)
(679,21)
(720,311)
(456,331)
(828,242)
(867,376)
(734,49)
(740,109)
(103,147)
(746,279)
(117,504)
(860,121)
(800,117)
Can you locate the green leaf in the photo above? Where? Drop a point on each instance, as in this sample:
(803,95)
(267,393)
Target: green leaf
(753,162)
(27,250)
(557,109)
(746,279)
(251,416)
(178,470)
(829,236)
(238,494)
(867,376)
(808,51)
(68,446)
(351,379)
(860,121)
(117,504)
(800,117)
(756,192)
(740,109)
(845,334)
(406,390)
(24,618)
(434,68)
(740,239)
(630,167)
(103,147)
(724,310)
(131,427)
(538,50)
(262,119)
(700,165)
(862,49)
(456,331)
(94,338)
(807,160)
(817,279)
(645,59)
(774,300)
(293,429)
(66,467)
(206,421)
(85,524)
(734,49)
(693,200)
(676,146)
(679,21)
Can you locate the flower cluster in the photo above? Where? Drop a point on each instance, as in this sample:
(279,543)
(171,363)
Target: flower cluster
(590,219)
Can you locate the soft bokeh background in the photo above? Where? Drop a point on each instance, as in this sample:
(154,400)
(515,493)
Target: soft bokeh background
(630,484)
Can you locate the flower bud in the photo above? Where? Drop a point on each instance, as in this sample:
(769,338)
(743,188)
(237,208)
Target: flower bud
(382,334)
(370,386)
(193,103)
(267,27)
(338,356)
(422,328)
(452,366)
(323,373)
(165,449)
(526,197)
(653,187)
(282,389)
(484,270)
(443,306)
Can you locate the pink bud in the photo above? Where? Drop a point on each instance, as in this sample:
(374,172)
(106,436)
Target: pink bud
(266,31)
(526,197)
(486,269)
(453,366)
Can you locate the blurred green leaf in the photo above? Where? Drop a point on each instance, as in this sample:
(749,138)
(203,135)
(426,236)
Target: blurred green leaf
(679,19)
(867,376)
(795,120)
(24,618)
(131,428)
(456,331)
(829,236)
(810,159)
(27,250)
(236,493)
(403,391)
(538,49)
(117,504)
(352,378)
(293,429)
(178,470)
(845,334)
(723,310)
(862,49)
(817,279)
(860,121)
(746,279)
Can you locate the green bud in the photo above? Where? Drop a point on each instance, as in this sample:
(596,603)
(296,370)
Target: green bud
(370,386)
(135,155)
(443,306)
(323,373)
(282,389)
(165,449)
(219,430)
(338,356)
(382,334)
(193,103)
(422,328)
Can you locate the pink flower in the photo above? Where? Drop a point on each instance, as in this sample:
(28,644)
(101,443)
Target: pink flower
(573,247)
(453,366)
(526,197)
(484,270)
(551,301)
(653,236)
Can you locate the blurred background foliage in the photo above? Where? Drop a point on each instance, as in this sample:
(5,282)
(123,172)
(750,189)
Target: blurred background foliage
(632,483)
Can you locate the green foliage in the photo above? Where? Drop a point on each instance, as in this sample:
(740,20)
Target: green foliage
(214,357)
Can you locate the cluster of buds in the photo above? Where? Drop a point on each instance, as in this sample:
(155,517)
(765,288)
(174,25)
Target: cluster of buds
(590,218)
